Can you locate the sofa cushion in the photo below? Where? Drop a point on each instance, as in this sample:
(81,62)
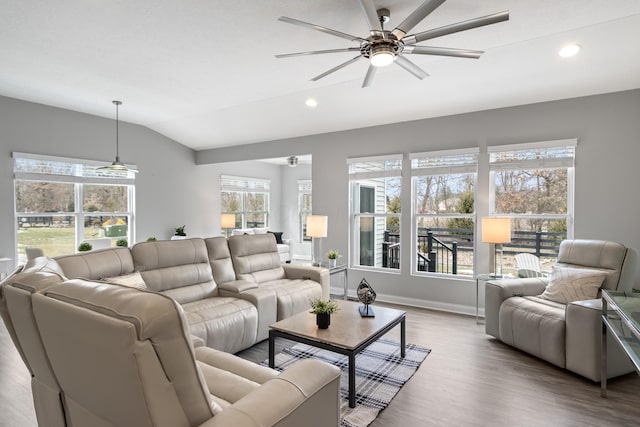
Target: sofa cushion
(226,324)
(293,295)
(536,326)
(95,265)
(568,284)
(256,258)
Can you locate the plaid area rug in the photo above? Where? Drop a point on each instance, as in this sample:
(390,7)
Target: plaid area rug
(380,372)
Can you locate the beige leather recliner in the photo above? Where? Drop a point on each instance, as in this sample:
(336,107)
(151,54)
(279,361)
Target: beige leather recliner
(123,357)
(567,335)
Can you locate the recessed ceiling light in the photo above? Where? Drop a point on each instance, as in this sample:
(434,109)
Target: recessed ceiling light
(311,102)
(569,50)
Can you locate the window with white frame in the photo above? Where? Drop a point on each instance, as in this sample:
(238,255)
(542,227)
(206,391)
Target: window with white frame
(247,198)
(59,202)
(304,206)
(375,189)
(443,197)
(533,185)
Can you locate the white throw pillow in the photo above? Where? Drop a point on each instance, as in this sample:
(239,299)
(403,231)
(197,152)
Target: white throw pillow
(261,230)
(568,284)
(242,231)
(132,280)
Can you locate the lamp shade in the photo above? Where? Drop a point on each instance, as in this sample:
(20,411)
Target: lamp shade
(317,225)
(496,230)
(228,220)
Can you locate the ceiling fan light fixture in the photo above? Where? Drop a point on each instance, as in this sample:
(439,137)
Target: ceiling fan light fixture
(292,161)
(382,56)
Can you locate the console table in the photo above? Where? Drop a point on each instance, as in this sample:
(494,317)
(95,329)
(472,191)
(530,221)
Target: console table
(621,318)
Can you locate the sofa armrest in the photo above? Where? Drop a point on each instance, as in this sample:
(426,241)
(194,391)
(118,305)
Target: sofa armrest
(307,394)
(317,274)
(264,299)
(234,364)
(197,341)
(238,286)
(496,291)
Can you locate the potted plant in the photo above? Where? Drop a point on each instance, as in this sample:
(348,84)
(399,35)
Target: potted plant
(151,239)
(179,233)
(333,256)
(122,243)
(84,247)
(323,309)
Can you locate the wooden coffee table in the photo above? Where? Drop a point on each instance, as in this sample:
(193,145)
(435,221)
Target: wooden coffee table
(348,334)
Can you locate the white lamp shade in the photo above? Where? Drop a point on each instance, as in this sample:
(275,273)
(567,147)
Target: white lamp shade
(228,220)
(496,230)
(317,225)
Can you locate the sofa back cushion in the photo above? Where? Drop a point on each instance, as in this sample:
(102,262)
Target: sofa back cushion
(220,260)
(618,261)
(122,356)
(178,268)
(255,257)
(97,264)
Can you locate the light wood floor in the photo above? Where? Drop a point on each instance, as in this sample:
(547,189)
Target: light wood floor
(469,379)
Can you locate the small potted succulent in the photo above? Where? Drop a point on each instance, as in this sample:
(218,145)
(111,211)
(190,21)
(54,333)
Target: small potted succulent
(179,233)
(122,243)
(323,309)
(333,256)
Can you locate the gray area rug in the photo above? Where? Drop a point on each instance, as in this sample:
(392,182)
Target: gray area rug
(380,373)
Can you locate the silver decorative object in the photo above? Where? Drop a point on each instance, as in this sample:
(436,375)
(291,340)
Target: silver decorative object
(367,296)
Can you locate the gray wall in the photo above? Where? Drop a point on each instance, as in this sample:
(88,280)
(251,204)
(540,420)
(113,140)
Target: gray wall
(171,190)
(606,198)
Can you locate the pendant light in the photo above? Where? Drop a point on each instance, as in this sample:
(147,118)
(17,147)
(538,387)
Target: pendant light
(117,165)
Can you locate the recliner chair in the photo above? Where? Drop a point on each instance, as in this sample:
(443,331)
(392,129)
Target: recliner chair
(124,357)
(567,335)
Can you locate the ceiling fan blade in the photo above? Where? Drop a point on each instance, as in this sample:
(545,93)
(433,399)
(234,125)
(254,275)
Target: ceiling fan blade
(371,14)
(334,69)
(411,67)
(319,28)
(455,28)
(318,52)
(415,17)
(368,79)
(443,51)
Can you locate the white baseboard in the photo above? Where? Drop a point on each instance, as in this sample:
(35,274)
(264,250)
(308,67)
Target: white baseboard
(420,303)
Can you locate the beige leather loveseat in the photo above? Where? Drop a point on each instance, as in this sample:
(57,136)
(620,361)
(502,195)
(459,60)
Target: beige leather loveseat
(524,314)
(231,290)
(111,355)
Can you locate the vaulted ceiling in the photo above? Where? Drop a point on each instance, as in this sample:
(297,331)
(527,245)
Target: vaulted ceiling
(204,72)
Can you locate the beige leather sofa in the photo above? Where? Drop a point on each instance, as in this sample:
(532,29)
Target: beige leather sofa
(567,335)
(231,292)
(108,355)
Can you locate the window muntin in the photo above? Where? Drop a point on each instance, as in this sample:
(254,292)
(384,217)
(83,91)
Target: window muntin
(443,189)
(60,201)
(376,185)
(247,198)
(533,185)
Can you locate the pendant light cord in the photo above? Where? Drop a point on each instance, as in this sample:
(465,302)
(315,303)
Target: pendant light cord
(117,104)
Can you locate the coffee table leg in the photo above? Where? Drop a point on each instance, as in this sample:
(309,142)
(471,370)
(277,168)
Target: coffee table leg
(403,341)
(352,380)
(272,349)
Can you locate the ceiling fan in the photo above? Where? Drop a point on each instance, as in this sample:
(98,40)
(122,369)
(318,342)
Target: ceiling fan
(384,47)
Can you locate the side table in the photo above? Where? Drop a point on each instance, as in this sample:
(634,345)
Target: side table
(5,267)
(342,270)
(620,318)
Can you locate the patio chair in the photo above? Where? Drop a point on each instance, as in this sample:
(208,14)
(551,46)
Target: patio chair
(528,265)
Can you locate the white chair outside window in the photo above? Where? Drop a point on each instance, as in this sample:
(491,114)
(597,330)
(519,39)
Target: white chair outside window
(528,265)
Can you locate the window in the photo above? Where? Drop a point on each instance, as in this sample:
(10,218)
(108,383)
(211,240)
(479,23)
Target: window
(60,202)
(533,185)
(375,188)
(247,198)
(443,194)
(304,207)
